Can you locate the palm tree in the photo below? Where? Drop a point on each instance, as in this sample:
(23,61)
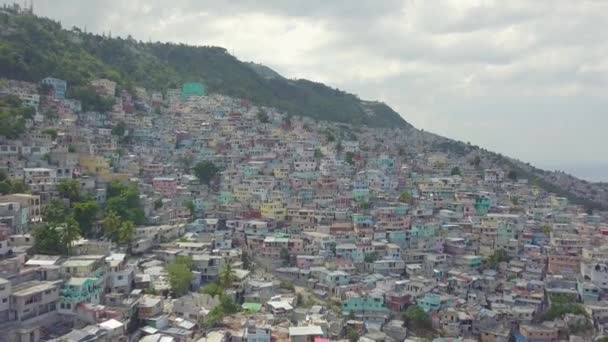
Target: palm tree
(70,232)
(126,234)
(111,226)
(227,276)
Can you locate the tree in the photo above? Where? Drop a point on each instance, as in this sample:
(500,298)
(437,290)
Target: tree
(353,335)
(54,213)
(263,117)
(246,260)
(212,289)
(417,320)
(70,232)
(496,258)
(227,276)
(124,201)
(456,171)
(318,154)
(85,213)
(126,234)
(339,147)
(70,189)
(180,278)
(111,226)
(47,240)
(228,305)
(332,248)
(562,305)
(351,315)
(406,197)
(18,187)
(350,158)
(285,256)
(476,161)
(205,171)
(190,206)
(120,129)
(158,203)
(371,257)
(512,175)
(51,132)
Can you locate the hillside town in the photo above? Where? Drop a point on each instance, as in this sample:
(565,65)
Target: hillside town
(131,214)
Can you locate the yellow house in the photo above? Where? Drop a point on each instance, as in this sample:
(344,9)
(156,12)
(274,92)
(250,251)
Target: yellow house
(274,210)
(281,172)
(100,167)
(94,164)
(242,193)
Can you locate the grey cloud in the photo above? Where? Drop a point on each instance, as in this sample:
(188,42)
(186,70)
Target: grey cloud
(521,77)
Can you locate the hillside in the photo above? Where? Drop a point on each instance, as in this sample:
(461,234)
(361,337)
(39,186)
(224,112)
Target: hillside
(593,196)
(32,48)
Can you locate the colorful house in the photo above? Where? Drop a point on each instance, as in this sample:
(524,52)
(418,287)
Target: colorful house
(360,304)
(59,86)
(192,89)
(274,210)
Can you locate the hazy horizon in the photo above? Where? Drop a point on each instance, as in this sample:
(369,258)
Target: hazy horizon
(526,79)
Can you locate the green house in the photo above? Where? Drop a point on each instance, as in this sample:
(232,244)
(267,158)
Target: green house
(192,89)
(362,304)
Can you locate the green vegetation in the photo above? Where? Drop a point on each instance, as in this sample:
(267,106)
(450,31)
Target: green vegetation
(287,285)
(371,257)
(205,171)
(352,334)
(350,158)
(285,258)
(455,171)
(70,189)
(8,186)
(13,115)
(124,201)
(495,259)
(89,99)
(180,275)
(80,57)
(318,154)
(246,260)
(189,204)
(57,234)
(406,198)
(263,117)
(227,305)
(85,214)
(418,321)
(562,305)
(51,132)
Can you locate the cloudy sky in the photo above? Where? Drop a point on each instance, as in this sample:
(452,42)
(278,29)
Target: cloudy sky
(527,79)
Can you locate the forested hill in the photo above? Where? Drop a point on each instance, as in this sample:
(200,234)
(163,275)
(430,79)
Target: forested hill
(32,48)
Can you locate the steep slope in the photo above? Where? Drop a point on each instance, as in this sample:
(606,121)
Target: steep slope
(32,48)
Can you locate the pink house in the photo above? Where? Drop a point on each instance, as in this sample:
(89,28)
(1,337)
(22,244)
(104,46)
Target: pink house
(167,186)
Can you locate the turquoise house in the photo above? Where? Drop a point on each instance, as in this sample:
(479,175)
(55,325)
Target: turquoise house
(431,302)
(482,205)
(364,304)
(192,89)
(360,192)
(226,197)
(336,278)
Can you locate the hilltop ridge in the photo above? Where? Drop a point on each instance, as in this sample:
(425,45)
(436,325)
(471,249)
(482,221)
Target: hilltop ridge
(33,47)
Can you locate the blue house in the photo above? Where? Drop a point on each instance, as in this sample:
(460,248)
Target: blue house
(59,86)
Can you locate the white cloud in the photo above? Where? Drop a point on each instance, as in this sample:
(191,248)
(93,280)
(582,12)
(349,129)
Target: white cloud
(521,77)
